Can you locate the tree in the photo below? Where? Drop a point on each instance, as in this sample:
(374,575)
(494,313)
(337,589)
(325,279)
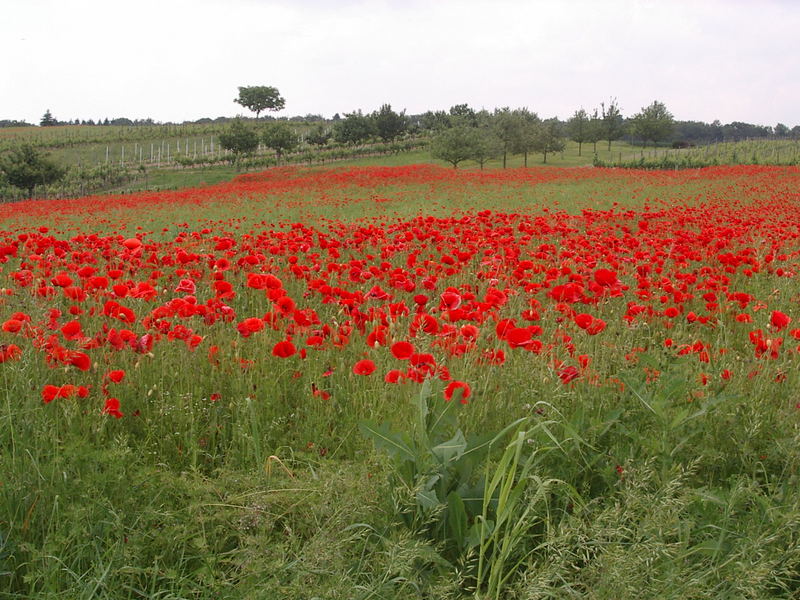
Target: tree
(239,139)
(25,167)
(462,114)
(613,124)
(389,124)
(549,138)
(435,121)
(595,130)
(355,128)
(280,137)
(260,97)
(48,120)
(578,128)
(781,130)
(487,146)
(456,144)
(318,136)
(527,130)
(653,123)
(507,129)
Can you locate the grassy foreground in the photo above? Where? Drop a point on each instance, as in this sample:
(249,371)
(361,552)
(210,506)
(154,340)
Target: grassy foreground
(234,342)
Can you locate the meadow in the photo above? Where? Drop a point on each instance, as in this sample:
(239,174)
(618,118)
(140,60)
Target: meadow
(405,382)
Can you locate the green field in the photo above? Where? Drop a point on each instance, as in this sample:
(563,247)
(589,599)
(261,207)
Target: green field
(637,331)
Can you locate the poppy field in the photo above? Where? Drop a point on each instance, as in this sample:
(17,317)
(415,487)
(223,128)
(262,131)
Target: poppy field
(185,374)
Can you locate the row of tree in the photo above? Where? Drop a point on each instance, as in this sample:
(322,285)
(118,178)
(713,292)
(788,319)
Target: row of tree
(48,120)
(354,129)
(464,133)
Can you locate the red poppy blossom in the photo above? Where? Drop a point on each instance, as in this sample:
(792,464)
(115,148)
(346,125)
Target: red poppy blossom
(284,349)
(583,320)
(250,326)
(605,277)
(779,320)
(9,352)
(112,408)
(12,326)
(80,360)
(187,286)
(402,350)
(393,376)
(454,387)
(364,367)
(116,376)
(568,374)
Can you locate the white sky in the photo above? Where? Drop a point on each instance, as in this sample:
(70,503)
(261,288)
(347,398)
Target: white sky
(175,60)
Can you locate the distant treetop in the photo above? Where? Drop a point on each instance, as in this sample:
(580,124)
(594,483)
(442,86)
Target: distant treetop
(260,97)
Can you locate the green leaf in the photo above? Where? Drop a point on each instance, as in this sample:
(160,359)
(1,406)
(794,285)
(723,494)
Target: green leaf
(395,444)
(441,421)
(427,500)
(480,531)
(609,420)
(456,518)
(472,496)
(450,450)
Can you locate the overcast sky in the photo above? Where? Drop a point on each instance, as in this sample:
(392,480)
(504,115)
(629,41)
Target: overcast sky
(176,60)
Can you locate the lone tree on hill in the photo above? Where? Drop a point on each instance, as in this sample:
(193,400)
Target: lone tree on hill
(260,97)
(239,139)
(280,137)
(25,167)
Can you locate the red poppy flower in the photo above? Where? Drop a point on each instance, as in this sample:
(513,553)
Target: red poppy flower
(72,330)
(80,360)
(364,367)
(494,357)
(186,286)
(605,277)
(112,408)
(250,326)
(453,388)
(402,350)
(394,376)
(284,349)
(116,376)
(779,320)
(583,320)
(12,326)
(451,299)
(9,352)
(568,374)
(49,393)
